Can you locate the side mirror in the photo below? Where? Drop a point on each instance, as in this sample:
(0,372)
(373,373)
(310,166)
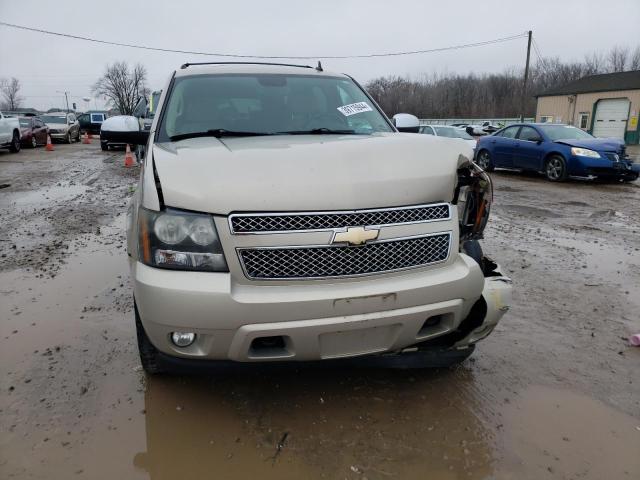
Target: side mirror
(405,122)
(123,129)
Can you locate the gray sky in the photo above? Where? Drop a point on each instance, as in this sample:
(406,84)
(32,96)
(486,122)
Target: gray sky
(46,64)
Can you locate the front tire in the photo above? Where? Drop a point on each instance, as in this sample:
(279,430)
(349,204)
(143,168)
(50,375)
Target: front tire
(15,143)
(104,146)
(34,141)
(148,353)
(68,138)
(555,169)
(78,136)
(484,161)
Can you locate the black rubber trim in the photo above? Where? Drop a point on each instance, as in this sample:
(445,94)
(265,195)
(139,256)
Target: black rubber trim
(421,358)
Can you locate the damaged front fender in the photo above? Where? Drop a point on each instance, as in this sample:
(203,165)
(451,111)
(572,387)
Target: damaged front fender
(473,196)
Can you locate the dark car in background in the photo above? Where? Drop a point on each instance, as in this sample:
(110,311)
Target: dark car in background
(559,151)
(33,131)
(91,122)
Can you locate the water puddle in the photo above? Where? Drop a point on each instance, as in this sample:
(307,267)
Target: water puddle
(553,433)
(38,197)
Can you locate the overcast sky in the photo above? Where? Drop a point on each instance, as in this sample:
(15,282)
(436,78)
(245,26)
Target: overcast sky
(45,64)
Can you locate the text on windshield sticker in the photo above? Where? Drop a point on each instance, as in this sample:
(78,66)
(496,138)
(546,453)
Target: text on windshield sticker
(354,108)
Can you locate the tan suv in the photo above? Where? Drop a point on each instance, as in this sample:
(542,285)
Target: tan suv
(280,216)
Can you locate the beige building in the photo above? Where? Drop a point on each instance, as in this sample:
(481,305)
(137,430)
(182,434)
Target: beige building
(605,105)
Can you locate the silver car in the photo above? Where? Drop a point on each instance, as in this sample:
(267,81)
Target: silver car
(62,126)
(449,131)
(281,216)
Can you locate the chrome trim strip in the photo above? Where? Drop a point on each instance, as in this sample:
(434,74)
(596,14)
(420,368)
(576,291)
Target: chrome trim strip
(336,212)
(291,247)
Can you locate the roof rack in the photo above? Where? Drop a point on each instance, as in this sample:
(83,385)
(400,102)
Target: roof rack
(185,65)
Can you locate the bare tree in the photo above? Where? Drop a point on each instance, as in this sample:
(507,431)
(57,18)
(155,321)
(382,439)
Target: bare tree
(594,63)
(123,86)
(617,59)
(10,89)
(490,95)
(634,62)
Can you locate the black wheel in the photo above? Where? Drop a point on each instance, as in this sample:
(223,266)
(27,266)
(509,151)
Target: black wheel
(78,136)
(104,146)
(555,169)
(15,143)
(483,159)
(474,250)
(631,178)
(67,139)
(148,353)
(34,141)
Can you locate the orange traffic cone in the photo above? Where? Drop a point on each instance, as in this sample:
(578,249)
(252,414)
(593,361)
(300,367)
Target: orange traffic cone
(49,146)
(128,158)
(86,139)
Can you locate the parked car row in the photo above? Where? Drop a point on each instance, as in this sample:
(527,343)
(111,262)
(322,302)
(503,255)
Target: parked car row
(32,131)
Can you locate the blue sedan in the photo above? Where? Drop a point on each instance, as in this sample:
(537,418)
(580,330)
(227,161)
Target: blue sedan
(558,151)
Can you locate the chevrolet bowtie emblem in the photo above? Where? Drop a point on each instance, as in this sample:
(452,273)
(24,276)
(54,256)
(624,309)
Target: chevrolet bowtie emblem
(355,236)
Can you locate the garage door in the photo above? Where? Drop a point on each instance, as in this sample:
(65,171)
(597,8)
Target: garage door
(611,118)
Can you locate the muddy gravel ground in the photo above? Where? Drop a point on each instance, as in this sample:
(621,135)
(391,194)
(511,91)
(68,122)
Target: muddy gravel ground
(553,393)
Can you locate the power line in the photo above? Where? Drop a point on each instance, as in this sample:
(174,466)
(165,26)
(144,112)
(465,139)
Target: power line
(272,57)
(537,50)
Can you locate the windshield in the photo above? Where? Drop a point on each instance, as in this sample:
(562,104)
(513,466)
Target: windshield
(452,132)
(268,104)
(564,132)
(25,122)
(53,119)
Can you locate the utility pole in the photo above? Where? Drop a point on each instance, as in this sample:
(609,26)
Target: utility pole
(66,98)
(526,77)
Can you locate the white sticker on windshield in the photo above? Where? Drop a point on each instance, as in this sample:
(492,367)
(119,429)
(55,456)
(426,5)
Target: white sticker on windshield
(354,108)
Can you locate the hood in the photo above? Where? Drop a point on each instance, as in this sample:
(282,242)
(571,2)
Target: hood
(603,144)
(307,172)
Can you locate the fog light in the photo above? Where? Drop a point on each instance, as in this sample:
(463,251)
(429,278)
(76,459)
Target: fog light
(183,339)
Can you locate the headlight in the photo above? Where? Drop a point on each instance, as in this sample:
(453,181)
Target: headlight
(473,197)
(180,241)
(584,152)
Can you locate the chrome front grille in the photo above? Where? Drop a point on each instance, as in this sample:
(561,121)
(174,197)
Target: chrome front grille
(326,261)
(309,221)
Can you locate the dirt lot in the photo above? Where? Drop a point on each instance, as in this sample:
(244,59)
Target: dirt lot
(553,393)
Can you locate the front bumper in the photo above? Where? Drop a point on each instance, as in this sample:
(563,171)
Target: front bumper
(385,313)
(602,168)
(58,135)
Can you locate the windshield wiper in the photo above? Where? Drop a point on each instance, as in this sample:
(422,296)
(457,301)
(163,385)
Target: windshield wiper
(319,131)
(216,132)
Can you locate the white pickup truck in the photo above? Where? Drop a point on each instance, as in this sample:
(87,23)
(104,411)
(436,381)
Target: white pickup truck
(9,133)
